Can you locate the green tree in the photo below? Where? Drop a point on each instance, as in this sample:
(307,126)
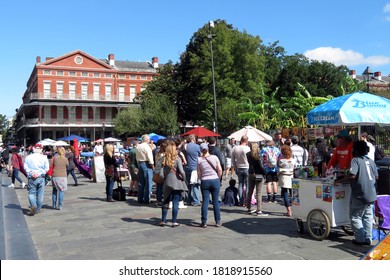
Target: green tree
(159,115)
(238,66)
(127,122)
(4,125)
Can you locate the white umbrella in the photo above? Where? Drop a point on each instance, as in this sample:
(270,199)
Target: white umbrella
(253,134)
(112,139)
(60,143)
(46,142)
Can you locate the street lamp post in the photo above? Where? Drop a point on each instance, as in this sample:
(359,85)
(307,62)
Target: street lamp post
(85,132)
(367,76)
(211,26)
(103,128)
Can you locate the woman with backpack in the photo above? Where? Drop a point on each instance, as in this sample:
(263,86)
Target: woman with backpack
(270,155)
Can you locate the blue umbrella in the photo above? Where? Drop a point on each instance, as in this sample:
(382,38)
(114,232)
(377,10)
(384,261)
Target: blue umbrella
(155,137)
(72,137)
(360,108)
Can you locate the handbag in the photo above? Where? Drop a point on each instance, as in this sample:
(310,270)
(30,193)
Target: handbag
(259,178)
(157,178)
(50,171)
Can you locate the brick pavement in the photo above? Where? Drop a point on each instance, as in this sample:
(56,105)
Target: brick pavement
(90,228)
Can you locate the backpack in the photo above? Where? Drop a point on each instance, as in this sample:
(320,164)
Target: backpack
(379,153)
(272,158)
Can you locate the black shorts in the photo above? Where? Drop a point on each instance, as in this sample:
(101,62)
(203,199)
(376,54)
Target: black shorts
(271,177)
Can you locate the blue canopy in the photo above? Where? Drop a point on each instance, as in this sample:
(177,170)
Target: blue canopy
(155,137)
(72,137)
(360,108)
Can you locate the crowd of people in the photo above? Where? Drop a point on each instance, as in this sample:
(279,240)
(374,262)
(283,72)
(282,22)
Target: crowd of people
(193,169)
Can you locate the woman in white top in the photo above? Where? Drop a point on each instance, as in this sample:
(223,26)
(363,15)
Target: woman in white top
(209,171)
(285,174)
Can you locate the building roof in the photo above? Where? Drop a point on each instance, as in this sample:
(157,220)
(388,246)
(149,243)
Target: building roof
(125,65)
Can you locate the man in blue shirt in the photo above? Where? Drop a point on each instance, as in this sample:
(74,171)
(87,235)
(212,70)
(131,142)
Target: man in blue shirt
(36,166)
(192,152)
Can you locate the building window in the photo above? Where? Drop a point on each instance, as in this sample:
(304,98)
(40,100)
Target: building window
(122,76)
(84,91)
(142,89)
(96,75)
(108,92)
(72,73)
(46,89)
(133,77)
(108,75)
(143,77)
(60,90)
(78,60)
(72,91)
(121,93)
(133,93)
(84,74)
(60,73)
(46,72)
(96,91)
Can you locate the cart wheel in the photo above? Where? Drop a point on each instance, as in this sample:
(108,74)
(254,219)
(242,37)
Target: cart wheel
(347,229)
(299,224)
(318,224)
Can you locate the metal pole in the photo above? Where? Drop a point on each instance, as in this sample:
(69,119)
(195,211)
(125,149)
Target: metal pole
(211,25)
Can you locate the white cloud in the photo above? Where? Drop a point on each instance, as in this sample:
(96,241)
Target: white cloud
(349,58)
(386,9)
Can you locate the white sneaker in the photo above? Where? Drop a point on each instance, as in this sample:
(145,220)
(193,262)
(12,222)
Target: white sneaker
(11,186)
(23,185)
(181,205)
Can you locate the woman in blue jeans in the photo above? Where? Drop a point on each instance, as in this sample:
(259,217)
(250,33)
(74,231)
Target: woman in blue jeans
(209,171)
(174,183)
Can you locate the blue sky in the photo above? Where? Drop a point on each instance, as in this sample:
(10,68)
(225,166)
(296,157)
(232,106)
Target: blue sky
(349,32)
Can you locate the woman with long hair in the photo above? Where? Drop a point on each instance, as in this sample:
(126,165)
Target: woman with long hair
(110,165)
(255,179)
(285,174)
(174,183)
(59,178)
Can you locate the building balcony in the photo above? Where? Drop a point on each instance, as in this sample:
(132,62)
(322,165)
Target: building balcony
(71,122)
(90,97)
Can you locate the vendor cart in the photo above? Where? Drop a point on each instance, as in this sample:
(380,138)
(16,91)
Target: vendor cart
(322,205)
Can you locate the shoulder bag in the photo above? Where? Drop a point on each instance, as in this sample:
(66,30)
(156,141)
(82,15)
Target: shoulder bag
(50,172)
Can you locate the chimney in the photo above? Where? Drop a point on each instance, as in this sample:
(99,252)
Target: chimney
(155,62)
(378,76)
(111,59)
(352,74)
(38,59)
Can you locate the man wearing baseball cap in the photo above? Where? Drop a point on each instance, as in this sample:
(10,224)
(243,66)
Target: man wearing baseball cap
(36,166)
(342,155)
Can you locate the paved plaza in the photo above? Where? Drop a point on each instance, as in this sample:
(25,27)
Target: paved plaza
(89,228)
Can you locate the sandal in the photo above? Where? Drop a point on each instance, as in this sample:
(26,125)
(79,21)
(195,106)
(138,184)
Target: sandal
(287,214)
(175,224)
(162,224)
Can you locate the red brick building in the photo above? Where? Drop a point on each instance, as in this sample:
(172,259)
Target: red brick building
(78,94)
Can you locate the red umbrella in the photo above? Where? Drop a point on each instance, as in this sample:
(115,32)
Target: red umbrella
(200,131)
